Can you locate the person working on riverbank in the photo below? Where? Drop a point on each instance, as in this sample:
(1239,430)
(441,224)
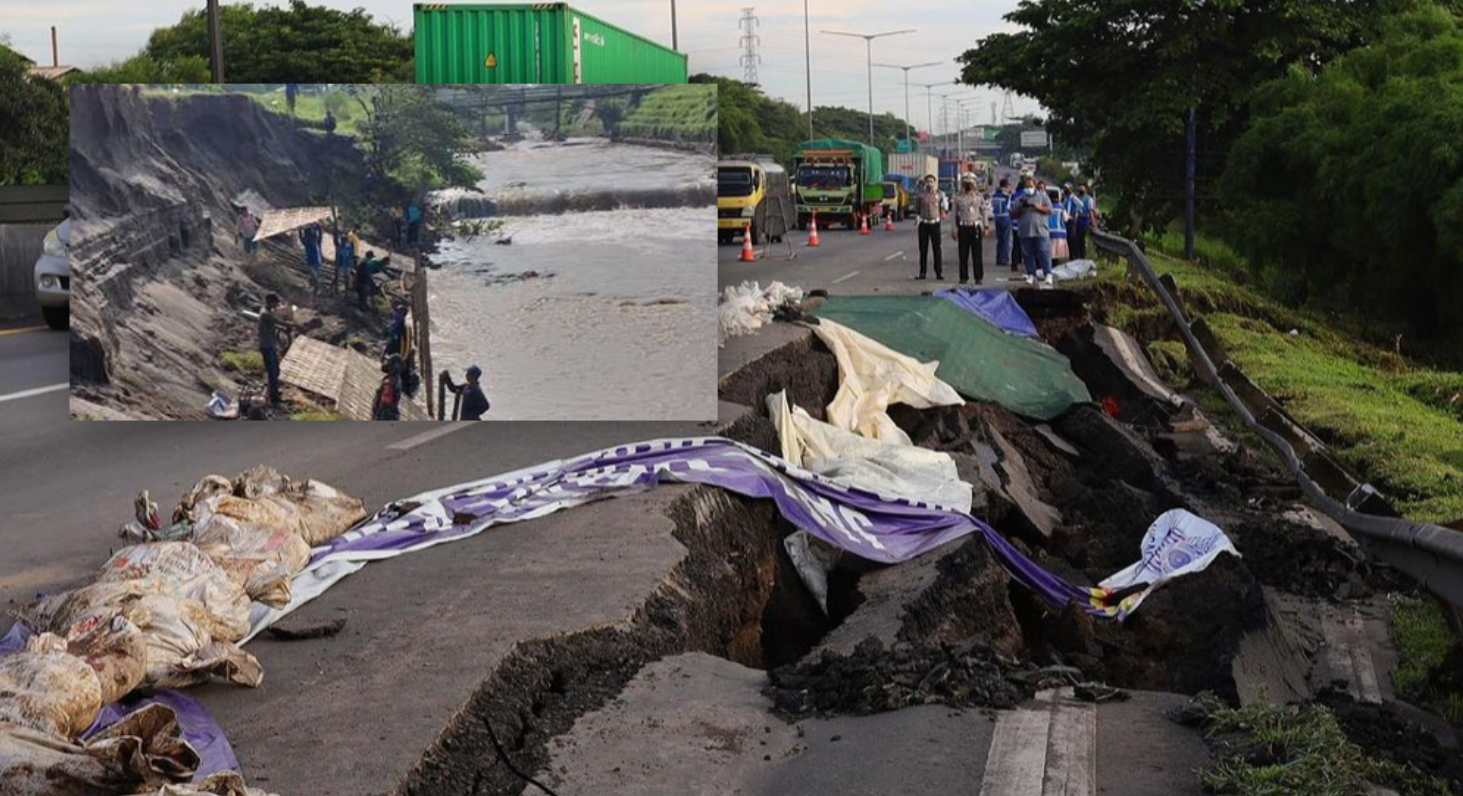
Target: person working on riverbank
(248,227)
(311,236)
(474,403)
(269,346)
(931,206)
(365,282)
(971,212)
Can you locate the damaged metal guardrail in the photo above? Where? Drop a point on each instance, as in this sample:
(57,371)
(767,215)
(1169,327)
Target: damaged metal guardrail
(1431,554)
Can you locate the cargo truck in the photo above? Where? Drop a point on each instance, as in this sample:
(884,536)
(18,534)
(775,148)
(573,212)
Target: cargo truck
(899,196)
(950,171)
(914,165)
(752,190)
(534,43)
(841,180)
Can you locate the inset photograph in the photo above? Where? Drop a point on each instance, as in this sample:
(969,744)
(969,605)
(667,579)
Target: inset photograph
(393,252)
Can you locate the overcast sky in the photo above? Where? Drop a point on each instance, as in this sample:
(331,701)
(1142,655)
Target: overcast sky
(93,32)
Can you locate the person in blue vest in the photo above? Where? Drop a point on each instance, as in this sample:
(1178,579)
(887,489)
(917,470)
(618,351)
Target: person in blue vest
(1001,215)
(413,222)
(1086,215)
(1057,228)
(1070,206)
(1018,252)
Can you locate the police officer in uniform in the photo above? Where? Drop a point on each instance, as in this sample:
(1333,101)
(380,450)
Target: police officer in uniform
(931,204)
(971,212)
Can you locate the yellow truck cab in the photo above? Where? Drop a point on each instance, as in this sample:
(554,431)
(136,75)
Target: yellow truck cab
(752,189)
(896,201)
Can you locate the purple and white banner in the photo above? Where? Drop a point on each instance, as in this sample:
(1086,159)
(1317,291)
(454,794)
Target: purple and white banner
(876,527)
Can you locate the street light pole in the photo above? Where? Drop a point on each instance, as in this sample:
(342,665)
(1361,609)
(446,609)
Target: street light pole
(929,112)
(909,125)
(808,65)
(215,43)
(869,54)
(674,44)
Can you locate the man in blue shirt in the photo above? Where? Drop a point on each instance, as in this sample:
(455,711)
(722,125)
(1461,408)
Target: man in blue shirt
(1001,214)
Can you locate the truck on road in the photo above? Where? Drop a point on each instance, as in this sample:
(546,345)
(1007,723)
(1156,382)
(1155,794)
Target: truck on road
(914,165)
(899,191)
(841,180)
(752,190)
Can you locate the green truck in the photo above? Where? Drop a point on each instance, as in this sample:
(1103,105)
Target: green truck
(841,180)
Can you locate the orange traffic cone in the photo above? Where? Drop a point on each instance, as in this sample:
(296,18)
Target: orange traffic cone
(813,231)
(889,223)
(748,256)
(863,225)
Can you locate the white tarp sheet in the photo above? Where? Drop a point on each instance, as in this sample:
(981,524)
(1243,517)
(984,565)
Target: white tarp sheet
(1177,543)
(872,377)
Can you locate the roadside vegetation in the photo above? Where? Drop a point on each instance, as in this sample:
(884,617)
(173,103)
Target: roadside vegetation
(1429,672)
(677,113)
(265,43)
(1395,422)
(34,136)
(1268,750)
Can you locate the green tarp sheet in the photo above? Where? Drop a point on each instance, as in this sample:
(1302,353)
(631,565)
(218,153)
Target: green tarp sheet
(979,360)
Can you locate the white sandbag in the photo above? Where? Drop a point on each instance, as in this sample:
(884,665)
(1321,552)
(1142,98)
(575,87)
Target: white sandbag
(183,570)
(47,689)
(113,647)
(747,307)
(873,377)
(1076,269)
(223,783)
(317,512)
(813,559)
(261,560)
(142,752)
(181,648)
(886,468)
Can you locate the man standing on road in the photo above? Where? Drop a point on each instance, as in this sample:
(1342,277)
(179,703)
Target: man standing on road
(1086,214)
(269,347)
(971,212)
(932,207)
(1001,215)
(1033,207)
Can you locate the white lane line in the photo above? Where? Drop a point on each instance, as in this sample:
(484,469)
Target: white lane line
(1016,763)
(892,256)
(1071,755)
(1049,749)
(441,430)
(16,396)
(846,276)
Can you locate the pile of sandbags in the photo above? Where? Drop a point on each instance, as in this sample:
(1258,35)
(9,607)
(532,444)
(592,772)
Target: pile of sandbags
(747,307)
(50,698)
(189,614)
(260,527)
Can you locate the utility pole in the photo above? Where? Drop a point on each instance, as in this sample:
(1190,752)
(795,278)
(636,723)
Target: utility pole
(993,114)
(909,125)
(808,65)
(215,42)
(675,45)
(929,113)
(1191,135)
(869,55)
(750,40)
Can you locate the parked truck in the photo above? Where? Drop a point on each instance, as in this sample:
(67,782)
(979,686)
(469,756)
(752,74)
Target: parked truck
(914,165)
(899,195)
(752,192)
(841,180)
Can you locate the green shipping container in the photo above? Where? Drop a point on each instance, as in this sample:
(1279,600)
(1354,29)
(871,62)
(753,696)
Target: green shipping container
(534,43)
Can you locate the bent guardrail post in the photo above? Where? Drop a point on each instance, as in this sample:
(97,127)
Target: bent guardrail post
(1431,554)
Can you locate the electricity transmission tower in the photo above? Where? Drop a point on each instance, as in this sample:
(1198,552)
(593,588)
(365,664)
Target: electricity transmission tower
(750,41)
(1008,110)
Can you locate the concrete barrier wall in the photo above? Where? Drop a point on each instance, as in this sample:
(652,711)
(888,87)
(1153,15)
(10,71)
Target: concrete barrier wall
(20,246)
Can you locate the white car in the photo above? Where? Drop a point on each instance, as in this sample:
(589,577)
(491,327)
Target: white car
(53,276)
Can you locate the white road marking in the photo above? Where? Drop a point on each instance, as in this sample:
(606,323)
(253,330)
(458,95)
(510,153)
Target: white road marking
(892,256)
(16,396)
(846,276)
(1047,750)
(441,430)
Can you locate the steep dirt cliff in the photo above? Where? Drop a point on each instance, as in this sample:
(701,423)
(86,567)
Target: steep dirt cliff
(156,186)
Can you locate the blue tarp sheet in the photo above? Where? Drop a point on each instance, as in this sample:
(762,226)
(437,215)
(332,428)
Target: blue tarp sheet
(998,307)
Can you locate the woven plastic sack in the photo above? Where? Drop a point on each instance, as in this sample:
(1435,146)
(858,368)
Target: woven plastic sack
(317,511)
(181,647)
(183,570)
(47,689)
(260,559)
(140,753)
